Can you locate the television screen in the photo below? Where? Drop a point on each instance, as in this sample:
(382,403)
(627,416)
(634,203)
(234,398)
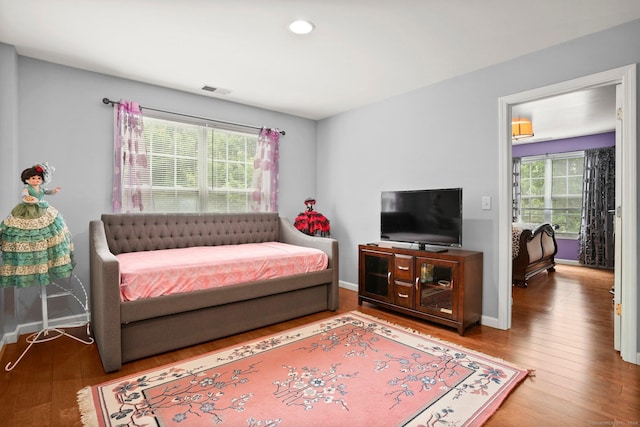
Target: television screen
(426,217)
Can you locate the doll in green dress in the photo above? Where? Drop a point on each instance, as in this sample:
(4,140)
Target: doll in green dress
(35,241)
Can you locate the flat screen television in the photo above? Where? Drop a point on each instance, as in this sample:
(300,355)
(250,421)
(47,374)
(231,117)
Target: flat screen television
(426,217)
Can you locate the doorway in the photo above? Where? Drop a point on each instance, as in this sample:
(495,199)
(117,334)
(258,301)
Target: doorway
(626,205)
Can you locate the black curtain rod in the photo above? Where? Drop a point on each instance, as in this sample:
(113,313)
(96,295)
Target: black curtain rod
(108,101)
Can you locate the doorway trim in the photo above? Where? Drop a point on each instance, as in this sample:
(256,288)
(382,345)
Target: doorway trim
(626,77)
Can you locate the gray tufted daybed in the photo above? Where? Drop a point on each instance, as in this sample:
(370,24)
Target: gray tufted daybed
(129,330)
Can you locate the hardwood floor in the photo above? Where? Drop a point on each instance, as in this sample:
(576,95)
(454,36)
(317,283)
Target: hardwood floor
(562,329)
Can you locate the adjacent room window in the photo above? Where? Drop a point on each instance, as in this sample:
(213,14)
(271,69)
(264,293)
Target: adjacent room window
(196,166)
(551,191)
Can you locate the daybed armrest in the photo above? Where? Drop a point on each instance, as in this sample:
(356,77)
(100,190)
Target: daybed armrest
(291,235)
(105,297)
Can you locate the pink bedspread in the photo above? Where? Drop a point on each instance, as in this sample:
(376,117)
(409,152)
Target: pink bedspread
(163,272)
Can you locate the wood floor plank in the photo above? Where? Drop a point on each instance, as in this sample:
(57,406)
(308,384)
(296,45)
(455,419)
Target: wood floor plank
(562,328)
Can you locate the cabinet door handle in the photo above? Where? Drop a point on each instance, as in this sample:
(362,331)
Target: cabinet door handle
(417,283)
(403,295)
(389,278)
(403,268)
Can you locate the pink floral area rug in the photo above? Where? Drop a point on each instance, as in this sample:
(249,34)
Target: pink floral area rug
(350,369)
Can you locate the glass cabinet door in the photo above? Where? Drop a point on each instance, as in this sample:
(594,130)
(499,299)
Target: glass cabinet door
(436,286)
(376,275)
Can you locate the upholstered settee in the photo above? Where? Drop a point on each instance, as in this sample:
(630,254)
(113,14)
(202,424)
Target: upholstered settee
(534,249)
(125,330)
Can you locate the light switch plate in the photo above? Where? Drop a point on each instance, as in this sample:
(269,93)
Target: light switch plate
(486,203)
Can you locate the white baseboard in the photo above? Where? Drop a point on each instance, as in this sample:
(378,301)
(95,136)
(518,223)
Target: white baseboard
(29,328)
(348,285)
(491,322)
(568,262)
(3,343)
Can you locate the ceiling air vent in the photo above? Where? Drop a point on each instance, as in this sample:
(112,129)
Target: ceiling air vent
(217,90)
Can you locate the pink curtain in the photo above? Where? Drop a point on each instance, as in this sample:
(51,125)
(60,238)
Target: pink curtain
(266,171)
(130,170)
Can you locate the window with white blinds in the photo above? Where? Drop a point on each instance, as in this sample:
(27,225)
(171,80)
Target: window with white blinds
(551,191)
(197,166)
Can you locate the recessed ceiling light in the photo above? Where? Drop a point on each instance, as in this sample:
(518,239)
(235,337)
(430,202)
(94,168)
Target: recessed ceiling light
(301,26)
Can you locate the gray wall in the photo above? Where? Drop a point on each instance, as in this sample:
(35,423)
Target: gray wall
(444,135)
(57,115)
(8,155)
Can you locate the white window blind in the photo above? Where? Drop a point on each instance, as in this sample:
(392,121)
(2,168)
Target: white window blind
(551,191)
(197,166)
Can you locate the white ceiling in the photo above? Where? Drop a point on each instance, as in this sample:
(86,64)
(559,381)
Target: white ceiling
(586,112)
(361,51)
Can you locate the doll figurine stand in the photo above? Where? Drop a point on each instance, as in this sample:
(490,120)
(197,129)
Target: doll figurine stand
(48,333)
